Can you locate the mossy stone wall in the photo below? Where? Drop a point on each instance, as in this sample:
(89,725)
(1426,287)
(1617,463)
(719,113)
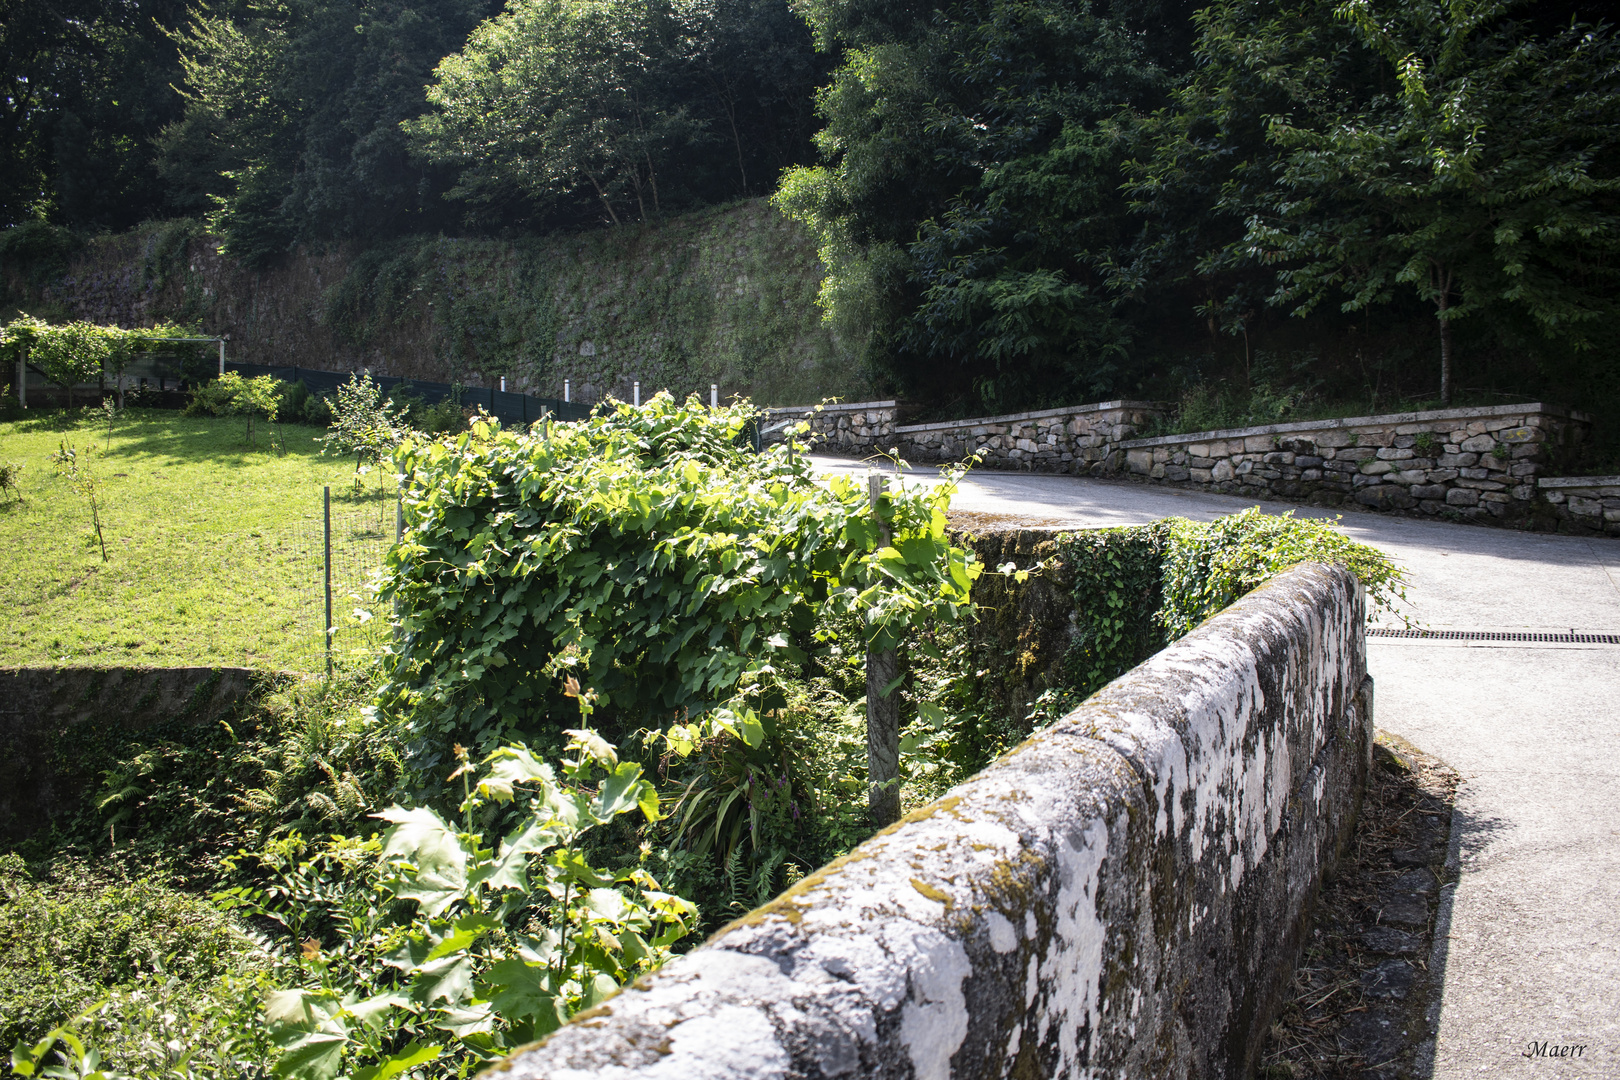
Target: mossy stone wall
(1123,895)
(724,295)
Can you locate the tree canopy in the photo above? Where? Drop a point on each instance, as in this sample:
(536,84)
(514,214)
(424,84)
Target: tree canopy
(1017,202)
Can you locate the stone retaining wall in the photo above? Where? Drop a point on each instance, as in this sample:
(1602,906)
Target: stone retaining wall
(1470,463)
(859,427)
(1585,503)
(1121,896)
(48,714)
(1084,439)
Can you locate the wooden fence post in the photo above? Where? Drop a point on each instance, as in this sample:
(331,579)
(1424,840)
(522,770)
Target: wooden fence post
(882,709)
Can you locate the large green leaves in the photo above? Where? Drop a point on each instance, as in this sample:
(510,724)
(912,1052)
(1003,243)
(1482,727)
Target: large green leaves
(647,555)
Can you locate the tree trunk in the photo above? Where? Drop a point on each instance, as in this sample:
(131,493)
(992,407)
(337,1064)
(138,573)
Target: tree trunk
(1442,303)
(883,736)
(1445,361)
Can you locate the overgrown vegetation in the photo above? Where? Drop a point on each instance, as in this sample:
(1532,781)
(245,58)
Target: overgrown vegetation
(625,701)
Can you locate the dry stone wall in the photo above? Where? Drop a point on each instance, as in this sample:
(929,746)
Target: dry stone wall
(1081,440)
(1479,463)
(1589,504)
(856,428)
(1122,896)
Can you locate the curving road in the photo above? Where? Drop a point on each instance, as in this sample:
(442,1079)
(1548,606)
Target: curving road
(1533,949)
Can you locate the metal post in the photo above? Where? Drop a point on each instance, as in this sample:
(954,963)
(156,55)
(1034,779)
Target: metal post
(882,707)
(22,382)
(503,384)
(635,392)
(222,356)
(714,395)
(326,506)
(567,395)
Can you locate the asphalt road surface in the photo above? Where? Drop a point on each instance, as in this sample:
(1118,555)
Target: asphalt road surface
(1531,942)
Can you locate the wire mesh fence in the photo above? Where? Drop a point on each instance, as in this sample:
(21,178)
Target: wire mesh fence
(331,565)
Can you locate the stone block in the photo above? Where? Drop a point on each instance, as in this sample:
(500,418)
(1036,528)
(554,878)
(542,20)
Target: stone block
(1256,444)
(1222,472)
(1524,493)
(1310,474)
(1333,440)
(1158,470)
(1494,497)
(1477,444)
(1307,461)
(1390,453)
(1244,467)
(1278,457)
(1585,507)
(1432,506)
(1199,450)
(1462,497)
(1139,461)
(1473,474)
(1442,476)
(1201,476)
(1386,497)
(1457,461)
(1175,472)
(1429,491)
(1525,468)
(1376,468)
(1480,485)
(1519,435)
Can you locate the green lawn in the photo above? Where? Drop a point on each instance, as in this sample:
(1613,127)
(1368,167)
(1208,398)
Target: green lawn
(214,545)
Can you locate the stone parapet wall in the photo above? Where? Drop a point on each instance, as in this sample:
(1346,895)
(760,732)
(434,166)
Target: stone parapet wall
(1123,895)
(1584,503)
(860,427)
(1083,439)
(1481,463)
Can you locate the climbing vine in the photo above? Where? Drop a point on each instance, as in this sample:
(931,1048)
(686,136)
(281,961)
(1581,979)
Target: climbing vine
(649,555)
(77,352)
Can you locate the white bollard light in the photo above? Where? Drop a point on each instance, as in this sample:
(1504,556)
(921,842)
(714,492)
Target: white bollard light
(714,395)
(636,393)
(503,384)
(566,395)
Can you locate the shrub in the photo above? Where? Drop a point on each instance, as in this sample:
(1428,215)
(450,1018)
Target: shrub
(86,934)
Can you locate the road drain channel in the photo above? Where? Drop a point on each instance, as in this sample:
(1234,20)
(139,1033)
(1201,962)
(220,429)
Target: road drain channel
(1495,635)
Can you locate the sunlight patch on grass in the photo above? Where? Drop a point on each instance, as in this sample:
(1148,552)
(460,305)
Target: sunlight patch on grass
(215,545)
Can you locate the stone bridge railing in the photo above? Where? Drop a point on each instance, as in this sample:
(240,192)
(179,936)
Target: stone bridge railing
(1123,895)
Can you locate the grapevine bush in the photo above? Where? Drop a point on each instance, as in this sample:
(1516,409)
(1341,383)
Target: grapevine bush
(649,555)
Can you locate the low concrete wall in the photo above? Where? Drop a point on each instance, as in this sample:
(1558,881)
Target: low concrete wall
(1481,463)
(48,715)
(1584,503)
(1121,896)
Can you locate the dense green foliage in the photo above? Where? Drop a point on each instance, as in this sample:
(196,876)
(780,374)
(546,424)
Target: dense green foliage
(1137,589)
(1017,202)
(622,111)
(80,352)
(650,556)
(88,87)
(436,946)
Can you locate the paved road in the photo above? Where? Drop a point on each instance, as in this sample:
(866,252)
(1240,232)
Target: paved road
(1533,951)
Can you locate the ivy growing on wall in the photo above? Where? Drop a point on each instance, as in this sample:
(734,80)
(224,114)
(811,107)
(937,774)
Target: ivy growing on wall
(1137,589)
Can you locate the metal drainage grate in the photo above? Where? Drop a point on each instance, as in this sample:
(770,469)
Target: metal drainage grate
(1495,635)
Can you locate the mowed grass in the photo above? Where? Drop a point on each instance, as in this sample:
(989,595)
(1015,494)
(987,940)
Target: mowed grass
(214,545)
